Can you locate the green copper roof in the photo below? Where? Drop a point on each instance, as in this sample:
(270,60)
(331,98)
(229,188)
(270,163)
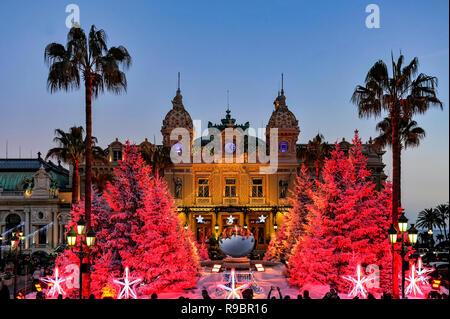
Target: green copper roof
(11,181)
(14,173)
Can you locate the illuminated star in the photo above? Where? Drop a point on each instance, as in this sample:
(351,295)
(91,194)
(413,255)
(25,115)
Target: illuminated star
(200,219)
(422,272)
(230,219)
(262,219)
(358,283)
(55,284)
(128,289)
(234,291)
(413,282)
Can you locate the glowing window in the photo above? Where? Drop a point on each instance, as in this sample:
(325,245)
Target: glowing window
(203,188)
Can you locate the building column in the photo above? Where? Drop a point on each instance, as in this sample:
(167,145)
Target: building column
(55,229)
(27,228)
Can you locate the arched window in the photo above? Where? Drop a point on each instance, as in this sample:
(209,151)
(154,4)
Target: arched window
(12,220)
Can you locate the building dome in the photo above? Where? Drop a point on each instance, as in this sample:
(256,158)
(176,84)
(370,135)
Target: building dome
(177,116)
(282,117)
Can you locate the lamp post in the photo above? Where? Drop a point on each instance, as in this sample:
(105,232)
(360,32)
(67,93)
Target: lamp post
(85,240)
(16,240)
(411,237)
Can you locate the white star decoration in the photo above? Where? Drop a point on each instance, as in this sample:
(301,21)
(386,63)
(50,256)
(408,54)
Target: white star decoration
(358,283)
(200,219)
(128,289)
(55,284)
(235,289)
(262,219)
(230,219)
(413,282)
(422,272)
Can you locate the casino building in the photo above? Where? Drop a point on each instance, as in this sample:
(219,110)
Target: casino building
(211,196)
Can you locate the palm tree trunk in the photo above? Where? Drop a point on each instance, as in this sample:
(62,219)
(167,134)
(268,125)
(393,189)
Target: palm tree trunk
(75,183)
(88,174)
(396,150)
(88,155)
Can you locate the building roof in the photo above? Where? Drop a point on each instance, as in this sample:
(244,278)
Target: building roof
(15,171)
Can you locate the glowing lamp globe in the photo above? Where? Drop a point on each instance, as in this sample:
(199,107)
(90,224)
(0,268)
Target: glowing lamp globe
(81,224)
(236,241)
(90,238)
(402,223)
(392,235)
(412,234)
(71,237)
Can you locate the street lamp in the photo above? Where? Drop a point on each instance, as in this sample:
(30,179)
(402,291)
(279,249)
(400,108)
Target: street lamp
(395,236)
(85,241)
(16,239)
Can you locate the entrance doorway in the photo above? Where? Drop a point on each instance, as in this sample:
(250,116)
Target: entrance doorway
(258,230)
(203,230)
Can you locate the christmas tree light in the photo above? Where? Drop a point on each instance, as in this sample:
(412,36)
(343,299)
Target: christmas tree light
(358,283)
(234,290)
(128,286)
(413,280)
(55,284)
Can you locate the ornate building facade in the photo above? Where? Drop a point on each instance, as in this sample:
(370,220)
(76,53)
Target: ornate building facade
(212,196)
(35,198)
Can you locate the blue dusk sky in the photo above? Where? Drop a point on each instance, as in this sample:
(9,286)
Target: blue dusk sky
(323,47)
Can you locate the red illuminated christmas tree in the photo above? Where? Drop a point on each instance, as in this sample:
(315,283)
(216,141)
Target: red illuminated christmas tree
(100,223)
(293,227)
(347,225)
(164,254)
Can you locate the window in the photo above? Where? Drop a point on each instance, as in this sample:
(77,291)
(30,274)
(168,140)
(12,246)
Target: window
(40,238)
(117,155)
(230,187)
(203,188)
(283,188)
(257,187)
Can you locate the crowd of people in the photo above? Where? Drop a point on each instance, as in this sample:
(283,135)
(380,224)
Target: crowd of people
(246,294)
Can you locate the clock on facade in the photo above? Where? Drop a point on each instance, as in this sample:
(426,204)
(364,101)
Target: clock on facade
(230,148)
(177,148)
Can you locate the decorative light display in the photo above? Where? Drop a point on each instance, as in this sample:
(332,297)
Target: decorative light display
(358,283)
(128,286)
(422,272)
(200,219)
(55,284)
(413,280)
(233,290)
(108,292)
(230,219)
(262,219)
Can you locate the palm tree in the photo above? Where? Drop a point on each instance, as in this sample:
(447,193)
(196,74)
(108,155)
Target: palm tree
(440,237)
(401,96)
(410,135)
(101,180)
(315,153)
(427,219)
(443,213)
(99,67)
(158,157)
(71,150)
